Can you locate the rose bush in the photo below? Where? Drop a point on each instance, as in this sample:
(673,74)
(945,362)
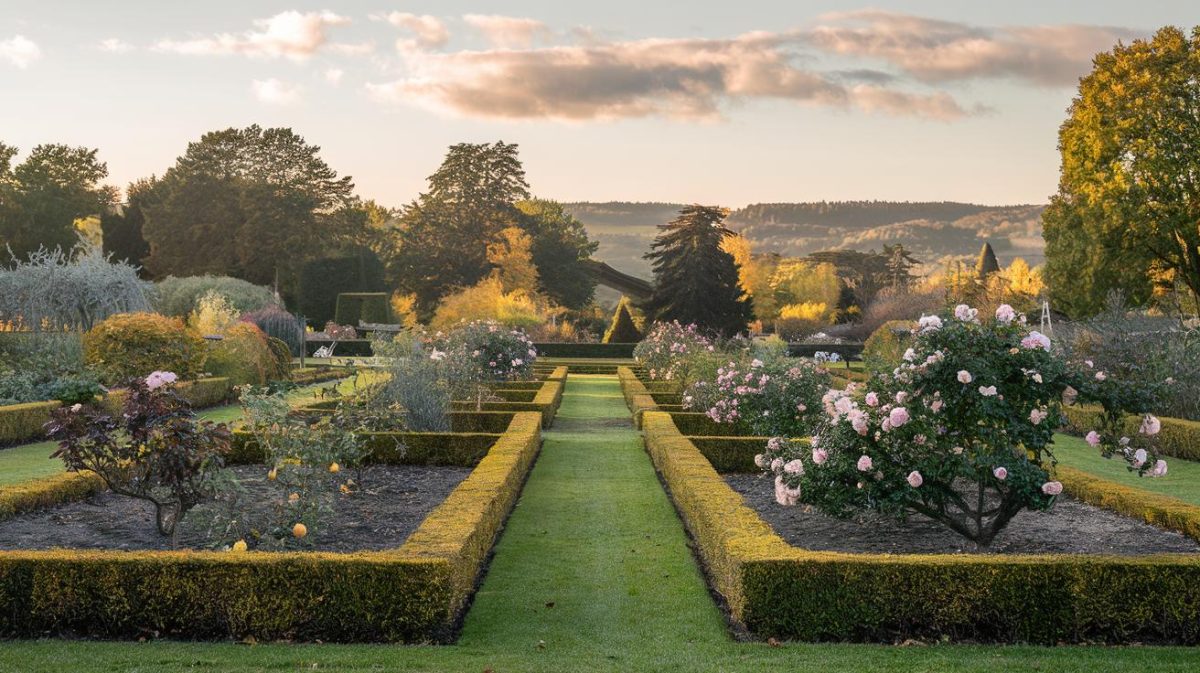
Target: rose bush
(961,431)
(669,351)
(773,396)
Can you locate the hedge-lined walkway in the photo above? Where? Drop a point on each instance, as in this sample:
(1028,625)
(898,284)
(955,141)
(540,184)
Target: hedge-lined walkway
(592,573)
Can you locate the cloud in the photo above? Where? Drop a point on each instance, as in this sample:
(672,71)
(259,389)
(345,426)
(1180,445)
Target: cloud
(934,51)
(20,51)
(429,32)
(334,75)
(274,92)
(508,31)
(290,34)
(677,78)
(114,45)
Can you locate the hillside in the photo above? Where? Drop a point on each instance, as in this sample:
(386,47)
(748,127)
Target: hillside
(936,232)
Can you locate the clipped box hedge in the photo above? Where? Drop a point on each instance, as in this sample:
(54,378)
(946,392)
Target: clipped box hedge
(780,591)
(623,351)
(414,593)
(1178,437)
(21,423)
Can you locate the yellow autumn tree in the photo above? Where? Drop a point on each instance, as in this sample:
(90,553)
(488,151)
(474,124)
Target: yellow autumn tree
(512,256)
(754,275)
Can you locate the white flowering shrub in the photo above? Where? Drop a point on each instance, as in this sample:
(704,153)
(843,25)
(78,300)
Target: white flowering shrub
(961,431)
(494,352)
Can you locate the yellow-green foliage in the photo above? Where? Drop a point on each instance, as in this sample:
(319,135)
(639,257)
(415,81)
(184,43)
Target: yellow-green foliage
(243,356)
(884,349)
(414,593)
(52,490)
(637,396)
(1160,510)
(22,422)
(488,301)
(1179,437)
(214,315)
(130,345)
(281,358)
(781,591)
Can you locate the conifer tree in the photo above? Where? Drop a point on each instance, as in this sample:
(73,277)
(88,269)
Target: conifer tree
(695,281)
(986,265)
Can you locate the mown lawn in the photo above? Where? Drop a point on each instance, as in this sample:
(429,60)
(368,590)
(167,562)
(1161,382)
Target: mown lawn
(593,573)
(1182,480)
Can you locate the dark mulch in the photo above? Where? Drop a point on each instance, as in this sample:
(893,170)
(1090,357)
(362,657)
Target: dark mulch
(1070,527)
(391,503)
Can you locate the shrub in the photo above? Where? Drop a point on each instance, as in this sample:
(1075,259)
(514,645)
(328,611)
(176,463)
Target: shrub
(130,345)
(154,451)
(488,301)
(305,463)
(55,291)
(960,433)
(243,356)
(489,352)
(322,280)
(415,383)
(775,397)
(363,307)
(179,297)
(279,324)
(798,321)
(282,356)
(667,351)
(884,349)
(37,366)
(622,330)
(214,315)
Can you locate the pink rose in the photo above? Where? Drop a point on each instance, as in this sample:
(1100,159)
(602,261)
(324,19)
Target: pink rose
(819,456)
(1052,488)
(1160,469)
(794,466)
(1005,314)
(865,464)
(872,400)
(760,460)
(898,416)
(776,464)
(1150,425)
(1000,473)
(1093,438)
(1036,416)
(915,479)
(964,376)
(1139,458)
(987,391)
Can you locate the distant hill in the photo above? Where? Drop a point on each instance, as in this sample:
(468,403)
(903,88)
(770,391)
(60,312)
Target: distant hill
(936,232)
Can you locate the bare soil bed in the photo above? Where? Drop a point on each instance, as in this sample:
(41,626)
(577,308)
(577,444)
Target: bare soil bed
(1070,527)
(391,503)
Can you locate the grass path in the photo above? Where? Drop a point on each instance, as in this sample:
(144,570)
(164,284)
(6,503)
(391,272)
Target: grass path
(595,535)
(30,461)
(1182,480)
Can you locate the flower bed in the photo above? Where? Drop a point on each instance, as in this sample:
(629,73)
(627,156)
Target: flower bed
(780,591)
(413,593)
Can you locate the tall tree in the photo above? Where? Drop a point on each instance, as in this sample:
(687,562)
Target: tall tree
(252,203)
(986,264)
(122,228)
(900,263)
(695,281)
(444,233)
(560,249)
(1128,203)
(41,197)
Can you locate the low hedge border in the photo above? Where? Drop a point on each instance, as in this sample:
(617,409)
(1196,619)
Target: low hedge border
(311,375)
(637,395)
(1153,508)
(46,492)
(20,423)
(1178,437)
(780,591)
(414,593)
(622,351)
(463,449)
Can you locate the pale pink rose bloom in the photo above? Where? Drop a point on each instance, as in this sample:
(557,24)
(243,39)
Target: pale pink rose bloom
(958,450)
(936,406)
(987,391)
(929,323)
(1000,473)
(1139,458)
(1070,395)
(872,400)
(794,466)
(1101,376)
(865,464)
(819,456)
(915,479)
(901,397)
(860,426)
(1150,425)
(159,379)
(760,460)
(76,407)
(1093,438)
(1036,339)
(898,416)
(964,376)
(1005,314)
(1159,469)
(1052,488)
(1036,416)
(776,464)
(964,313)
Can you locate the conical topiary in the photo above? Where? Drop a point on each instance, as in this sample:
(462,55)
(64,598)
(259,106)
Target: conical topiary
(987,264)
(622,330)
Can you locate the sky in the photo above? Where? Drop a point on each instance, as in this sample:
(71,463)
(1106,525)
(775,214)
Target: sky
(694,101)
